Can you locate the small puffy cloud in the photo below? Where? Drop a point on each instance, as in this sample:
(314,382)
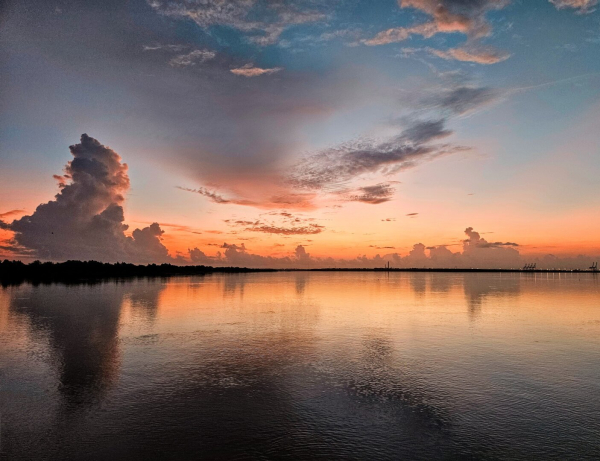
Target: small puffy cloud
(301,253)
(199,257)
(85,220)
(192,58)
(582,6)
(374,195)
(250,70)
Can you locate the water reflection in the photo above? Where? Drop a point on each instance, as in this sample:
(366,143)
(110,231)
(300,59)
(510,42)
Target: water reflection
(481,288)
(80,324)
(303,365)
(144,297)
(301,281)
(233,286)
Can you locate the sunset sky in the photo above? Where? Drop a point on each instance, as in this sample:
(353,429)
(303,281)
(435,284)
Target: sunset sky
(307,133)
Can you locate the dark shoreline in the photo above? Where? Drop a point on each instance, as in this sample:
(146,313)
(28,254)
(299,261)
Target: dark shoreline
(16,272)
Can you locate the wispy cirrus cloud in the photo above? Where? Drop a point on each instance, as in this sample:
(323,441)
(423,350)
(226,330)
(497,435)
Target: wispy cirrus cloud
(462,99)
(582,6)
(333,167)
(280,223)
(479,54)
(450,16)
(261,22)
(250,70)
(311,229)
(467,17)
(215,197)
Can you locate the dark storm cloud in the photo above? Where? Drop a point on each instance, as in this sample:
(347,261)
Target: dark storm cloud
(85,220)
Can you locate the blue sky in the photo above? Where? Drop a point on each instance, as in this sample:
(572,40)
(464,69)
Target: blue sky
(320,108)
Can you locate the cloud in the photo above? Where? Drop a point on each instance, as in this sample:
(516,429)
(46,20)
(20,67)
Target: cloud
(374,195)
(462,99)
(249,70)
(281,223)
(85,220)
(465,16)
(399,34)
(476,253)
(8,214)
(479,251)
(333,167)
(286,199)
(192,58)
(412,215)
(448,16)
(216,198)
(261,22)
(582,6)
(305,230)
(159,47)
(478,54)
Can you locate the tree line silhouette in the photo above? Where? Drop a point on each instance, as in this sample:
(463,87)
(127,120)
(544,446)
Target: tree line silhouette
(73,271)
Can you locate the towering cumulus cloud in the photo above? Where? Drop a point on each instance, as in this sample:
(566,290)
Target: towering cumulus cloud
(85,220)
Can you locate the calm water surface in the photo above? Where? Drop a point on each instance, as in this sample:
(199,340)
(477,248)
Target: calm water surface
(303,366)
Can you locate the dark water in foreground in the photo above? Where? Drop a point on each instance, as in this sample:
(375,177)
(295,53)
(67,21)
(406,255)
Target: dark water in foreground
(303,366)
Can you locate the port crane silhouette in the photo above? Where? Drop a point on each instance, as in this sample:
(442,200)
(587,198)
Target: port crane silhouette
(529,266)
(594,267)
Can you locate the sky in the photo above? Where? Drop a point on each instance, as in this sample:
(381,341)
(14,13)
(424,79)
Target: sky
(307,133)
